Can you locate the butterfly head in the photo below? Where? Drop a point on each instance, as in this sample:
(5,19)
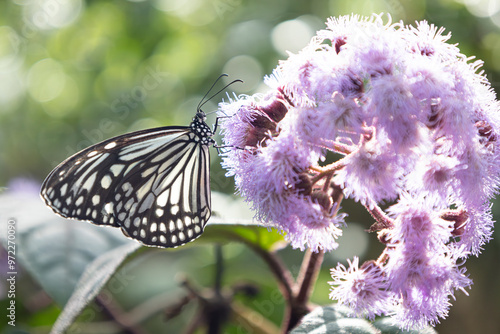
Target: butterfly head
(200,116)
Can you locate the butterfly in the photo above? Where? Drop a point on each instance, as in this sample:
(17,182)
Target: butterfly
(153,184)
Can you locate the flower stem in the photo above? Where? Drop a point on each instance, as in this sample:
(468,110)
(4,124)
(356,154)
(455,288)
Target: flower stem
(299,304)
(279,270)
(382,221)
(311,264)
(337,147)
(327,170)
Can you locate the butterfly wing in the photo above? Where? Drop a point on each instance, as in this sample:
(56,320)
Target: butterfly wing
(153,184)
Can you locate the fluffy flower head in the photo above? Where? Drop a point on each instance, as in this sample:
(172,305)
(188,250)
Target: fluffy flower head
(409,120)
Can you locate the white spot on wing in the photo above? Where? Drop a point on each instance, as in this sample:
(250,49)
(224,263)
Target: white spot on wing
(176,192)
(127,187)
(106,181)
(133,208)
(130,167)
(108,208)
(147,203)
(96,199)
(63,189)
(110,145)
(163,227)
(89,182)
(162,199)
(129,203)
(116,169)
(180,226)
(146,188)
(149,171)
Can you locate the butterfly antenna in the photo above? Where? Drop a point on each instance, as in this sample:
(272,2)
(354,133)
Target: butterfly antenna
(205,99)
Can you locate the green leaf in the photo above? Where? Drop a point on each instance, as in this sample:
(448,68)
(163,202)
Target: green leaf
(233,221)
(336,319)
(250,233)
(333,319)
(73,260)
(54,250)
(388,327)
(230,208)
(93,279)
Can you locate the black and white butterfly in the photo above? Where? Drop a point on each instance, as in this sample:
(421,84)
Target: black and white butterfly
(153,184)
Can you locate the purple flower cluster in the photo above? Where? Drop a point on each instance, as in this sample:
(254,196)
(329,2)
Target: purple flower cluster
(409,120)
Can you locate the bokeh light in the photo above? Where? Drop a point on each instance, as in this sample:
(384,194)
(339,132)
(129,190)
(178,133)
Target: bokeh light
(11,68)
(46,80)
(353,242)
(245,68)
(50,14)
(291,36)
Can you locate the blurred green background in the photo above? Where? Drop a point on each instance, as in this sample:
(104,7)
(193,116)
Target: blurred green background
(75,72)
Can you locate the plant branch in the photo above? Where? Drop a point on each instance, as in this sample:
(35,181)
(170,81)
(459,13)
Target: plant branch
(311,265)
(277,267)
(253,321)
(114,311)
(337,147)
(299,306)
(382,221)
(279,270)
(328,169)
(219,268)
